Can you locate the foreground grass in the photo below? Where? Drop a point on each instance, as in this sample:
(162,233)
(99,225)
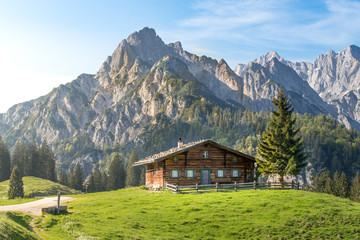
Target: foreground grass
(34,186)
(247,214)
(15,226)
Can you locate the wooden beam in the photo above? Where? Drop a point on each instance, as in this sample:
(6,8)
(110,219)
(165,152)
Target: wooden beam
(224,158)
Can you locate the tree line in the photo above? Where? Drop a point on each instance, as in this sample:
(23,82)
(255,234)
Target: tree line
(29,158)
(337,185)
(116,176)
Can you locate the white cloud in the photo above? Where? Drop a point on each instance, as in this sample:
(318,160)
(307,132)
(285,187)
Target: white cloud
(283,22)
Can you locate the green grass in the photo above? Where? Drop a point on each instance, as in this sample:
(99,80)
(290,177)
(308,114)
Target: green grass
(247,214)
(4,202)
(15,226)
(34,187)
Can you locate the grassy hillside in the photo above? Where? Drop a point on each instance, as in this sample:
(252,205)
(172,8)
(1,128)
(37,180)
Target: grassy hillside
(15,226)
(37,187)
(247,214)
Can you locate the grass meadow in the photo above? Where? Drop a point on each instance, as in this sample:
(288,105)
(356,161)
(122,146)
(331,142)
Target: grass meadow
(248,214)
(34,187)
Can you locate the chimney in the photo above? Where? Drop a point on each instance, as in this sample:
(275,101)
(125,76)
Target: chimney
(180,143)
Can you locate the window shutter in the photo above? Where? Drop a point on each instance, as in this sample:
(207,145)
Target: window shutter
(224,171)
(216,173)
(210,153)
(231,173)
(186,173)
(201,154)
(170,173)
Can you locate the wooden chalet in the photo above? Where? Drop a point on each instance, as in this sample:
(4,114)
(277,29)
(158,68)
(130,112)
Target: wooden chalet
(202,162)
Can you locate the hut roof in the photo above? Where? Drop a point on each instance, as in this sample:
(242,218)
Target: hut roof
(184,148)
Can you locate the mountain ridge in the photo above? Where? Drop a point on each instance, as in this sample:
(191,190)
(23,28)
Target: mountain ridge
(147,82)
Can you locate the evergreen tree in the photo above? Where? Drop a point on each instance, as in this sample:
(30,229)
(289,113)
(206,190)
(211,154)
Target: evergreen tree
(116,177)
(16,185)
(281,151)
(90,184)
(132,173)
(329,184)
(48,161)
(32,164)
(99,182)
(343,187)
(19,156)
(71,178)
(77,178)
(336,190)
(355,188)
(4,161)
(63,178)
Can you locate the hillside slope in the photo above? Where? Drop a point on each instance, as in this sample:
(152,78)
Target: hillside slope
(35,187)
(246,214)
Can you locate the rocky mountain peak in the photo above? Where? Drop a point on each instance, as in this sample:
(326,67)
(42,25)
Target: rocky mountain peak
(354,51)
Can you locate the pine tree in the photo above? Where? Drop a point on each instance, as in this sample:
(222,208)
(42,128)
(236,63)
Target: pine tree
(31,165)
(99,181)
(16,185)
(343,186)
(280,150)
(328,183)
(78,178)
(90,184)
(19,156)
(355,188)
(336,190)
(48,161)
(63,178)
(132,173)
(4,161)
(116,177)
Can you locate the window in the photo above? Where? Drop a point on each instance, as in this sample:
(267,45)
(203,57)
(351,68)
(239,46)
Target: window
(234,159)
(175,173)
(235,173)
(189,173)
(175,159)
(205,153)
(220,173)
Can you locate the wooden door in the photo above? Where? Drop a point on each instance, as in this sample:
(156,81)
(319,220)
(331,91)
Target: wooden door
(205,176)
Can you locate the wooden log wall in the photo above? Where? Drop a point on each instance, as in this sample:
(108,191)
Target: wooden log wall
(218,159)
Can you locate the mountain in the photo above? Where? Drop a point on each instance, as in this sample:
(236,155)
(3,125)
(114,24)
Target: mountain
(147,92)
(335,77)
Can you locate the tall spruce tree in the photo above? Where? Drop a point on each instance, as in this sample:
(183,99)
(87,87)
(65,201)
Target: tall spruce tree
(343,186)
(19,156)
(280,150)
(355,188)
(48,161)
(99,181)
(4,161)
(78,178)
(16,185)
(132,173)
(116,177)
(62,178)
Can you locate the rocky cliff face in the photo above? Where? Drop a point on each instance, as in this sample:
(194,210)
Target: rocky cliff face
(335,77)
(146,80)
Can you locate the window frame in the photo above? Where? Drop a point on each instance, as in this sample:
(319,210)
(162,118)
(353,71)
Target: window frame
(238,171)
(178,172)
(207,154)
(194,173)
(175,159)
(217,173)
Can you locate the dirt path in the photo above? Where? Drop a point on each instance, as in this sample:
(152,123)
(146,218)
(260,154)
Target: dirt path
(34,208)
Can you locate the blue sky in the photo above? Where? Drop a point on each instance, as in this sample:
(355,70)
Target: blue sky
(46,43)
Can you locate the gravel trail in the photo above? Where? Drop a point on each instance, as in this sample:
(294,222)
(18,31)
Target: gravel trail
(34,208)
